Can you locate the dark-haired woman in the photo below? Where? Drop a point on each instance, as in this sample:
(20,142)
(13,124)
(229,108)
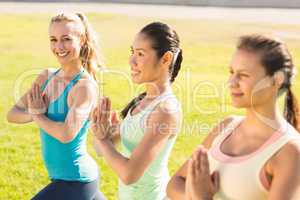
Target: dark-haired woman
(151,121)
(256,156)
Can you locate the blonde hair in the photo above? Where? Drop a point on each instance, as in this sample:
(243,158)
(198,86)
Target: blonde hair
(90,55)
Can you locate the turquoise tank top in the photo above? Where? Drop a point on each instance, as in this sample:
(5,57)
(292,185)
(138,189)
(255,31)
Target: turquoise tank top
(152,185)
(69,161)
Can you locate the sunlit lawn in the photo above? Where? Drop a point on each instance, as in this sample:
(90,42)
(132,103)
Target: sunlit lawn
(200,86)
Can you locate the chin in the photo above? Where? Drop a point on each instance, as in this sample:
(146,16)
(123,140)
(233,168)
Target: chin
(136,80)
(235,105)
(65,61)
(239,104)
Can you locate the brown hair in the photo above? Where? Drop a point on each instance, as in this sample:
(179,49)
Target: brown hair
(274,57)
(90,52)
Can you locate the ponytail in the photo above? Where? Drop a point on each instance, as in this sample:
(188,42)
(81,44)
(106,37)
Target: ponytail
(89,55)
(132,104)
(291,109)
(177,65)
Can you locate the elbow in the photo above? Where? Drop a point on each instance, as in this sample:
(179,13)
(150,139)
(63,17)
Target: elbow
(130,178)
(9,117)
(67,137)
(169,189)
(176,188)
(65,140)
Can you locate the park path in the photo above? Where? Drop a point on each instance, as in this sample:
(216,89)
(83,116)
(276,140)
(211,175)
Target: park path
(255,15)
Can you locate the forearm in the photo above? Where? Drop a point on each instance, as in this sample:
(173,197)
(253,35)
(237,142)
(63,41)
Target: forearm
(115,160)
(18,115)
(176,188)
(57,130)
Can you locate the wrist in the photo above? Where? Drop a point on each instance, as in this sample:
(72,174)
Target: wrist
(207,197)
(103,140)
(36,116)
(33,111)
(103,135)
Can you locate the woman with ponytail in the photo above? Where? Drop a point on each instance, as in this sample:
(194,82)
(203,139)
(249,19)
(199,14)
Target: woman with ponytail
(256,156)
(151,121)
(60,102)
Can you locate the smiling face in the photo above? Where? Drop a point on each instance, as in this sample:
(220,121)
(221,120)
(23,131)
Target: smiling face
(248,83)
(65,41)
(145,65)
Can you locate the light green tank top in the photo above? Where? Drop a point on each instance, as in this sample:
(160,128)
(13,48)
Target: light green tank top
(152,185)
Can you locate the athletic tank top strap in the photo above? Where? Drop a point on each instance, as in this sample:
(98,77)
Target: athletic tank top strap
(275,143)
(73,81)
(70,84)
(48,79)
(227,130)
(164,96)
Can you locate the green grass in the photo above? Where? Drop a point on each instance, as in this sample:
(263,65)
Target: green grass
(207,45)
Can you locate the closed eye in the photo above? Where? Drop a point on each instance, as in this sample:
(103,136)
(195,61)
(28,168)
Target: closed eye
(244,75)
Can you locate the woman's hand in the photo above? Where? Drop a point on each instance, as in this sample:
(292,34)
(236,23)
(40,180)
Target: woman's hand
(200,184)
(101,122)
(37,103)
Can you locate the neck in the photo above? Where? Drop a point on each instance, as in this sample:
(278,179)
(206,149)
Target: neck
(154,89)
(71,69)
(266,117)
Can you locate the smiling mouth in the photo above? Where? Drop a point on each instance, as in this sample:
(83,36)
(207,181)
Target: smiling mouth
(237,94)
(61,55)
(134,73)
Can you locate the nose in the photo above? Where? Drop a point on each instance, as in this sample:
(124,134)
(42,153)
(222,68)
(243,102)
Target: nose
(59,45)
(132,61)
(233,81)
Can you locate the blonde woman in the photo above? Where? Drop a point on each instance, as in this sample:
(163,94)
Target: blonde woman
(59,102)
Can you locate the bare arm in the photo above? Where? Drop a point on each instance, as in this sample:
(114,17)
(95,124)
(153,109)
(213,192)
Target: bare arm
(286,175)
(83,100)
(176,186)
(131,169)
(19,112)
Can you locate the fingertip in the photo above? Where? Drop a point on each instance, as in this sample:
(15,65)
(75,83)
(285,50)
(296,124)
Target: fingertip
(114,117)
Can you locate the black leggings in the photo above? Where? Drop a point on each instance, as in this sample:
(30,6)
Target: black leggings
(70,190)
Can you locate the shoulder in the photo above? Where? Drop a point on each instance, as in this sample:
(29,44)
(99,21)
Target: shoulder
(218,129)
(165,111)
(44,75)
(224,123)
(288,157)
(86,84)
(86,81)
(168,106)
(166,116)
(86,89)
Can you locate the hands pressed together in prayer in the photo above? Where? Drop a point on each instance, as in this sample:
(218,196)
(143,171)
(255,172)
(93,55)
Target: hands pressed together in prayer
(200,184)
(37,102)
(104,121)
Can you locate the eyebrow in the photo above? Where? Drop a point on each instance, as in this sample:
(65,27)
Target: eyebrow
(239,70)
(61,36)
(138,49)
